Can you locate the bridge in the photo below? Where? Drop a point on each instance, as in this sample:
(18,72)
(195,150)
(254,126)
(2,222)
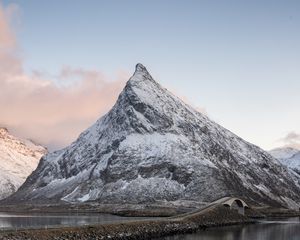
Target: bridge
(235,204)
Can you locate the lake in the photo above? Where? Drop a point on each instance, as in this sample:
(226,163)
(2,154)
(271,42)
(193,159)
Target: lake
(22,221)
(279,229)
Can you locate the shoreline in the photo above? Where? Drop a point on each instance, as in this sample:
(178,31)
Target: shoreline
(137,210)
(117,231)
(142,229)
(184,223)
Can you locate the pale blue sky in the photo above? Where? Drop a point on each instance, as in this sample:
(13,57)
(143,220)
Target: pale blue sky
(240,60)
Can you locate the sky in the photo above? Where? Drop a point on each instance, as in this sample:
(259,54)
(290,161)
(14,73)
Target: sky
(63,63)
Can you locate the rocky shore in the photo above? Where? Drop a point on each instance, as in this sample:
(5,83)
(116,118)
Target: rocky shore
(155,209)
(144,229)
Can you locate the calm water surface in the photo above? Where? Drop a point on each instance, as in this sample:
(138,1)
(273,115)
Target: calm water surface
(279,229)
(21,221)
(283,229)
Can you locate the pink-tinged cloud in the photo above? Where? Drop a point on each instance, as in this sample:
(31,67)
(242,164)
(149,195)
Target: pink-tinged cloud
(9,62)
(7,38)
(51,113)
(292,139)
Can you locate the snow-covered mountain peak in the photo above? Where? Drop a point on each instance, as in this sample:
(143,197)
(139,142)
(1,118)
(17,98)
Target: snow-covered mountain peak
(152,146)
(147,107)
(140,68)
(141,77)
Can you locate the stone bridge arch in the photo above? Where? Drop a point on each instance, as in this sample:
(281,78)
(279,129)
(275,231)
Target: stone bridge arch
(236,204)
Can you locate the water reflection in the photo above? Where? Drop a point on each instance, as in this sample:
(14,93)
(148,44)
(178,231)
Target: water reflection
(20,221)
(280,229)
(284,229)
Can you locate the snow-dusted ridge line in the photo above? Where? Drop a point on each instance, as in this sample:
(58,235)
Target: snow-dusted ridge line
(18,158)
(152,146)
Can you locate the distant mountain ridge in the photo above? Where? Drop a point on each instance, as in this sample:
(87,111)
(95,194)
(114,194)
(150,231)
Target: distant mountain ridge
(18,158)
(152,146)
(289,157)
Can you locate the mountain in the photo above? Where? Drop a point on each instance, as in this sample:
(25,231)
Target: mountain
(18,158)
(289,157)
(284,152)
(152,146)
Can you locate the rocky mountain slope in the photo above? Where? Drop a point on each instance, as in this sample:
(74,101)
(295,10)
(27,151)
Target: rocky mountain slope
(152,146)
(289,157)
(18,158)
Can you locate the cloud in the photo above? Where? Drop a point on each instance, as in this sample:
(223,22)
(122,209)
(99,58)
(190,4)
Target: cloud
(51,110)
(9,62)
(7,37)
(292,139)
(47,111)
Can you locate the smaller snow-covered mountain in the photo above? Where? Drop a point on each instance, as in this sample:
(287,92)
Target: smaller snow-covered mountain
(288,156)
(18,158)
(283,152)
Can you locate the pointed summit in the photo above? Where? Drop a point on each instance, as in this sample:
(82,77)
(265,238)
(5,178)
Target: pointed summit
(147,97)
(140,68)
(142,89)
(141,74)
